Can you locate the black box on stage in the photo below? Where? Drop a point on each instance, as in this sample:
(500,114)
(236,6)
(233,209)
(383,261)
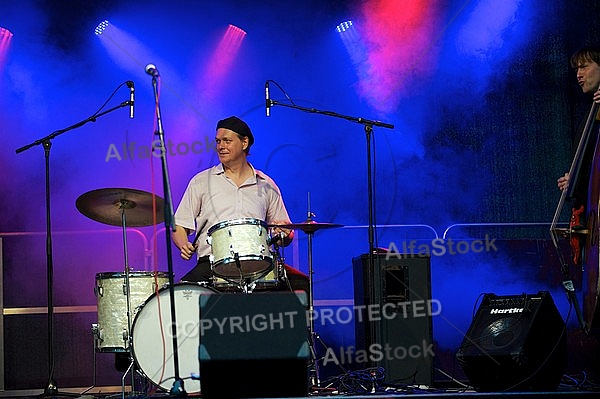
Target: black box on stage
(515,343)
(253,345)
(399,336)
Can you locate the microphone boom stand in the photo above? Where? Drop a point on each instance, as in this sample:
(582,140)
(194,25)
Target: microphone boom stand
(178,389)
(46,142)
(368,127)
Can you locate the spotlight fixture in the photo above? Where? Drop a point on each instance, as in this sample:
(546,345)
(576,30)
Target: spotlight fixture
(344,26)
(236,29)
(101,27)
(5,33)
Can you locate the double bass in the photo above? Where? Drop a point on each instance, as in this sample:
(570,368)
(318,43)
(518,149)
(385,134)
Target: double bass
(583,231)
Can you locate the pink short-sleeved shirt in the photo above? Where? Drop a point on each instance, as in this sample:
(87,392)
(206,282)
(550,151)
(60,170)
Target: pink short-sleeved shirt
(211,198)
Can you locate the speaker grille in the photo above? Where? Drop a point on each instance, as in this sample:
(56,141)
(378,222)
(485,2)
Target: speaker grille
(500,334)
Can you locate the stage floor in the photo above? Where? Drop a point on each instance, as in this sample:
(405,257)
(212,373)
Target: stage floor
(563,392)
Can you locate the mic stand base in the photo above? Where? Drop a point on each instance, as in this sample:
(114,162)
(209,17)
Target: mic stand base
(177,390)
(52,391)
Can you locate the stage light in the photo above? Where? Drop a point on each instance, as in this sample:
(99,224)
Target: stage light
(353,42)
(5,39)
(5,33)
(211,81)
(101,27)
(344,26)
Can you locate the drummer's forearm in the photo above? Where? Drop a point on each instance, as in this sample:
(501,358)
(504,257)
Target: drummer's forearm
(180,237)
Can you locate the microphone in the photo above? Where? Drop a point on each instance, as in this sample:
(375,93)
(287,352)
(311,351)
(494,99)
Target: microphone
(151,70)
(131,97)
(267,99)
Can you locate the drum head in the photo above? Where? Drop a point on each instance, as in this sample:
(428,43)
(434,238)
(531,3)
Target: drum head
(152,336)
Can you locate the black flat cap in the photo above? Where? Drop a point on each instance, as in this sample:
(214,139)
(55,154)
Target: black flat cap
(237,125)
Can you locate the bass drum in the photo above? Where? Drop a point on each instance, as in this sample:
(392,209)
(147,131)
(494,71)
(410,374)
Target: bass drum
(152,336)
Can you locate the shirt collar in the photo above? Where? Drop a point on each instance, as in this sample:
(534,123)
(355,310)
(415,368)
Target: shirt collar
(219,170)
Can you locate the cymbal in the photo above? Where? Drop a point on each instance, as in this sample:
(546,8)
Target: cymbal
(308,226)
(104,205)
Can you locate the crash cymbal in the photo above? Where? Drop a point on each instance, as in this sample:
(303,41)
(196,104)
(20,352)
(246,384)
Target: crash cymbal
(104,205)
(308,226)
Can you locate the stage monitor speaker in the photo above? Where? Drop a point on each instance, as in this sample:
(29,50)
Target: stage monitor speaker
(515,343)
(399,336)
(253,345)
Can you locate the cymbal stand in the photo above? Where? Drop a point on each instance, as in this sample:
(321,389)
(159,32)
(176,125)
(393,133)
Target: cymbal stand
(314,374)
(124,204)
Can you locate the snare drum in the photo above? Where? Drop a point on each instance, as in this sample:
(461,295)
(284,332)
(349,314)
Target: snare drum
(240,248)
(152,340)
(268,282)
(112,333)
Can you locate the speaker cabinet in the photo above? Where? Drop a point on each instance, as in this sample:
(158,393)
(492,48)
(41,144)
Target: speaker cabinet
(515,343)
(398,336)
(253,345)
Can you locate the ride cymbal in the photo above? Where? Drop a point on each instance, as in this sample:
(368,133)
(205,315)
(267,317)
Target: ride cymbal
(105,205)
(308,226)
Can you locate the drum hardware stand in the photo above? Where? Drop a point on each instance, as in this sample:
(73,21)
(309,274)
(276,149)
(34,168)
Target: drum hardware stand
(178,389)
(95,337)
(247,285)
(46,142)
(124,204)
(279,265)
(309,227)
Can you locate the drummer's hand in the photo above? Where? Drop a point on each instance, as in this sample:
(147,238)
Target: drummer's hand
(187,251)
(563,182)
(288,234)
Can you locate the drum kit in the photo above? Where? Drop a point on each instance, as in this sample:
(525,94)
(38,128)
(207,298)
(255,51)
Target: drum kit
(133,307)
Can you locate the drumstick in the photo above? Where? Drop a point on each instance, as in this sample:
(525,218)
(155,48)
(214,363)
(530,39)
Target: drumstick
(198,234)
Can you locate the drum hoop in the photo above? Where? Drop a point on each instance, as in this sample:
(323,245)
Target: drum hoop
(107,275)
(234,222)
(231,259)
(251,275)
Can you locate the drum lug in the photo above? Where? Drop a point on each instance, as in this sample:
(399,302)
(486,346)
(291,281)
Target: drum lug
(98,291)
(95,331)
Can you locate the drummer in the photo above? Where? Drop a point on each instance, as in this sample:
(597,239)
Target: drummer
(231,190)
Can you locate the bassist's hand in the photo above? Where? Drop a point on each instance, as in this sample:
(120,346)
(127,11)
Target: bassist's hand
(563,182)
